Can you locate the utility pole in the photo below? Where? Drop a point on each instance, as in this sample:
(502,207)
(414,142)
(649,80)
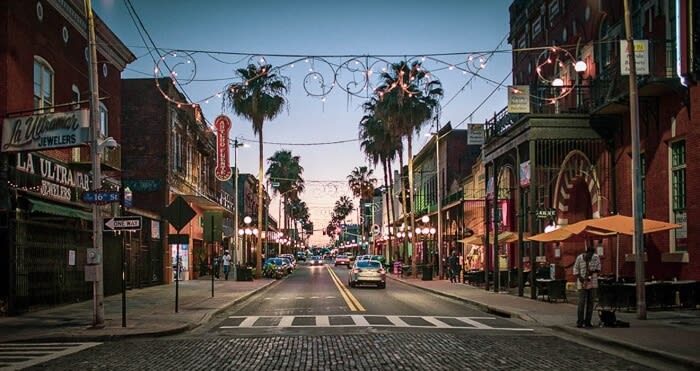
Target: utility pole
(636,170)
(98,320)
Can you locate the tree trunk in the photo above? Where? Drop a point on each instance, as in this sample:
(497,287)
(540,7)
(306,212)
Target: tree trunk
(389,249)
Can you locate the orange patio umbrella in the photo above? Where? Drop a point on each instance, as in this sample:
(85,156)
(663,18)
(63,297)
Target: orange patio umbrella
(619,224)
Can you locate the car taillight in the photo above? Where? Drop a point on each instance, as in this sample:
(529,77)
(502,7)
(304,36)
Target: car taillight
(381,271)
(356,270)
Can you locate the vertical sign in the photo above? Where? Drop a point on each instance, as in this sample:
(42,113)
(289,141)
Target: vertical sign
(223,163)
(519,99)
(525,174)
(475,134)
(641,57)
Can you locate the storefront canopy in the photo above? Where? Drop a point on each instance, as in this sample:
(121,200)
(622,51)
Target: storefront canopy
(56,209)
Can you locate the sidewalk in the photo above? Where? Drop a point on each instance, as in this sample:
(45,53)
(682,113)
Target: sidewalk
(673,335)
(150,311)
(670,335)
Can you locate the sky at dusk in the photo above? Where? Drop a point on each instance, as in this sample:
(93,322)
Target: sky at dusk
(464,43)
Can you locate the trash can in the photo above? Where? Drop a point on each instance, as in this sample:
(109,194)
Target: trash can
(427,273)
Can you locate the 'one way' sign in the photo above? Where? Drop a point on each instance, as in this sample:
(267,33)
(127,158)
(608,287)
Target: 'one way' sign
(123,223)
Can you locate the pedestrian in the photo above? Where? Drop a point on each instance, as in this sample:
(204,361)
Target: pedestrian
(586,269)
(453,262)
(227,263)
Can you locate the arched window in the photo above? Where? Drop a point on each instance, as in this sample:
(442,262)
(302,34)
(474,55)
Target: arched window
(43,84)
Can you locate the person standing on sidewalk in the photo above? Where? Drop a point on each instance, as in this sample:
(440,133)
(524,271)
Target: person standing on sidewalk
(586,269)
(227,263)
(453,262)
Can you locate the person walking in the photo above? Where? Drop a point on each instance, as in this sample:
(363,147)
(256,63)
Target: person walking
(454,267)
(586,269)
(227,263)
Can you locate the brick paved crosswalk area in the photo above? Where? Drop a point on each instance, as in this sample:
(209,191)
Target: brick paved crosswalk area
(398,321)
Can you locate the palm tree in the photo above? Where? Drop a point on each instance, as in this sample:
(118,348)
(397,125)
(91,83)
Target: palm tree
(284,169)
(260,97)
(380,145)
(406,100)
(362,184)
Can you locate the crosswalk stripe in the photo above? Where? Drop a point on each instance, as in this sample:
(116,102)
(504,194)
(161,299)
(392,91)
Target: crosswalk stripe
(359,320)
(436,322)
(322,321)
(398,322)
(248,322)
(286,321)
(17,356)
(474,323)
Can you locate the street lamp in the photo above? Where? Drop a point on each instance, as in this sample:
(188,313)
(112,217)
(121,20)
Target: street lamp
(425,233)
(236,144)
(246,233)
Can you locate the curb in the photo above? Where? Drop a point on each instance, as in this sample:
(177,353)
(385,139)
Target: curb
(504,312)
(499,311)
(673,358)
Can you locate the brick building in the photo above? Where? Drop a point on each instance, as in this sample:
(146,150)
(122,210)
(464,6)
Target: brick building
(565,153)
(45,227)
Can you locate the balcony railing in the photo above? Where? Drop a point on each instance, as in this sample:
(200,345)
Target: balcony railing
(111,158)
(590,95)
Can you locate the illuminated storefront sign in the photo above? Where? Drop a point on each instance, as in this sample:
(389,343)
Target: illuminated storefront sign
(45,131)
(55,180)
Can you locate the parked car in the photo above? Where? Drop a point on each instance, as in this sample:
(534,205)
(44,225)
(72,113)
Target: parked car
(350,256)
(291,259)
(275,268)
(316,260)
(367,272)
(342,259)
(289,264)
(301,256)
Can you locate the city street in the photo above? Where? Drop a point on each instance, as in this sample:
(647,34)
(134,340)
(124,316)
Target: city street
(313,320)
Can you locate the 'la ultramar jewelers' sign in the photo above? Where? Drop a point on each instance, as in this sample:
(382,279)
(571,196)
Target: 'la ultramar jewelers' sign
(56,180)
(45,131)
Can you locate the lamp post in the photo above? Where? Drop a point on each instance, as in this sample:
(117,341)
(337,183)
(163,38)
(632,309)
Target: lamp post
(426,232)
(236,144)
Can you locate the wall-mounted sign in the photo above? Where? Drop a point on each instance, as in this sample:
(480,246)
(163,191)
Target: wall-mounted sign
(45,131)
(223,164)
(475,134)
(641,57)
(54,179)
(519,99)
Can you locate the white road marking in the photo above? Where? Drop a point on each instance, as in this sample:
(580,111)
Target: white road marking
(397,321)
(17,356)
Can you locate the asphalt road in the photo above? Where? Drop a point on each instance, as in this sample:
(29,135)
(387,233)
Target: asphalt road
(312,320)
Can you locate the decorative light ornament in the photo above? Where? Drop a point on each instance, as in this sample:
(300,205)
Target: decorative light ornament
(580,66)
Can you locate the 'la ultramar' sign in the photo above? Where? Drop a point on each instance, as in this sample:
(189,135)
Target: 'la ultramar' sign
(45,131)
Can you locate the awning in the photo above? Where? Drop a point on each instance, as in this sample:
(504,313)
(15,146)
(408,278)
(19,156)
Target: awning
(204,203)
(55,209)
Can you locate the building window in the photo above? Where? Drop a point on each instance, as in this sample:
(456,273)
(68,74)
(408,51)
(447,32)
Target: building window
(43,84)
(678,194)
(553,9)
(76,97)
(104,120)
(536,27)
